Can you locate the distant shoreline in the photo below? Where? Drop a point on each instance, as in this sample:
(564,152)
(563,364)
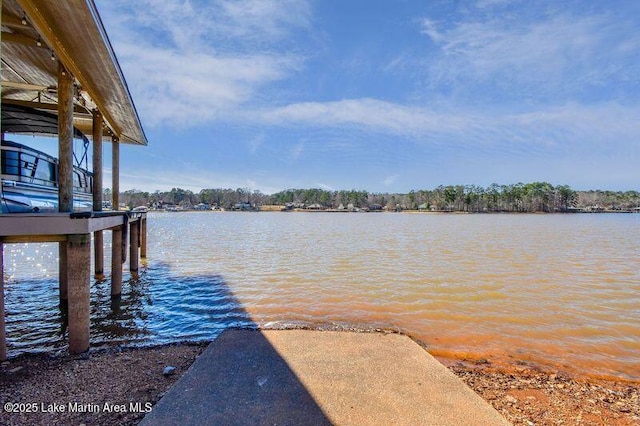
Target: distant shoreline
(431,212)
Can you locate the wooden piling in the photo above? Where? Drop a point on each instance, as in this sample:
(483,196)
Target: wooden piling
(98,254)
(65,162)
(3,338)
(115,173)
(116,262)
(63,271)
(65,140)
(143,237)
(98,237)
(79,272)
(134,242)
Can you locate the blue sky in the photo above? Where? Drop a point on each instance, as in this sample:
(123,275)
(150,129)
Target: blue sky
(386,96)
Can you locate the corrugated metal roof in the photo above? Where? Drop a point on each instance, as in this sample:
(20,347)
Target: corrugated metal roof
(35,32)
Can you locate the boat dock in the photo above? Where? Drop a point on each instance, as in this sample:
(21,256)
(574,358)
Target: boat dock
(61,78)
(267,377)
(73,231)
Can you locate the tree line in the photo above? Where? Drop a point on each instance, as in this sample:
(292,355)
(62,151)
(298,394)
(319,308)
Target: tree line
(520,197)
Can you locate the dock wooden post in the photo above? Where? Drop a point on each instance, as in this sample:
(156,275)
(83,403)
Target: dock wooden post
(3,338)
(65,140)
(63,271)
(98,238)
(98,254)
(115,173)
(143,237)
(79,255)
(116,262)
(134,243)
(65,164)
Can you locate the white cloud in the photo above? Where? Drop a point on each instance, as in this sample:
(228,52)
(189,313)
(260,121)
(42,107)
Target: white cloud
(571,124)
(259,18)
(150,179)
(296,151)
(325,187)
(189,62)
(187,88)
(390,180)
(368,113)
(430,28)
(256,143)
(556,54)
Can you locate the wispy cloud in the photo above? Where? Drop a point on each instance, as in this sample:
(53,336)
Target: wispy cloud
(390,180)
(571,123)
(296,151)
(368,113)
(256,143)
(151,179)
(325,187)
(189,62)
(550,55)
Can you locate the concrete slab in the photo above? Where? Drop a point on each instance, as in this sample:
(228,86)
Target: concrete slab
(293,377)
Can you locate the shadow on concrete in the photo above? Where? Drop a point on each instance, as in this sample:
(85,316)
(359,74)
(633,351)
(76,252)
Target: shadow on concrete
(243,380)
(247,382)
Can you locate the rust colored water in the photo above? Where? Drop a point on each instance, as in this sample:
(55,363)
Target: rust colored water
(557,290)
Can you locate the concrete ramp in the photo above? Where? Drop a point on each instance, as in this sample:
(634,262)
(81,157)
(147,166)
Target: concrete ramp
(301,377)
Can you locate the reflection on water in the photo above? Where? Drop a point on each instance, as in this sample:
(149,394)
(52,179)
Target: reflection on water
(553,289)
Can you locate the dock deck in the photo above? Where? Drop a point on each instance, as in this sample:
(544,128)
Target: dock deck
(73,233)
(319,377)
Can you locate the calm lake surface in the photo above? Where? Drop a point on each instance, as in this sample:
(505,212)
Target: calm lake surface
(556,290)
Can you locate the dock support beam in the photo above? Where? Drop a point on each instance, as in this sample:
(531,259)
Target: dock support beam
(79,255)
(65,163)
(115,173)
(63,271)
(98,238)
(134,244)
(98,254)
(116,262)
(65,140)
(3,338)
(143,237)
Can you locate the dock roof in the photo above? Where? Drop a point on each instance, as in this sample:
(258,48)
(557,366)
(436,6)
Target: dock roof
(38,34)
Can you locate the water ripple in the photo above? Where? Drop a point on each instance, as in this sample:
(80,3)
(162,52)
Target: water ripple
(555,289)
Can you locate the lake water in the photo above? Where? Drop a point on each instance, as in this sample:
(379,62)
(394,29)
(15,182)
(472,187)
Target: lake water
(555,290)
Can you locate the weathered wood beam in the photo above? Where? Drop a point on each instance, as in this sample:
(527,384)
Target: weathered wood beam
(28,87)
(65,139)
(115,173)
(23,40)
(79,261)
(33,239)
(13,21)
(98,238)
(116,262)
(79,112)
(98,254)
(143,237)
(63,271)
(97,161)
(134,243)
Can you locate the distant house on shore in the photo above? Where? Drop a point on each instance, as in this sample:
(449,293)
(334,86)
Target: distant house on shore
(202,206)
(315,207)
(242,206)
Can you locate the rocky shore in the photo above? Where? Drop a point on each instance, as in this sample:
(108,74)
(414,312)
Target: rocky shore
(117,387)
